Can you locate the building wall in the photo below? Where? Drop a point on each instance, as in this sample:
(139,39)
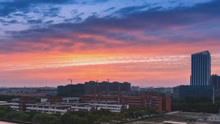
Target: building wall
(166,104)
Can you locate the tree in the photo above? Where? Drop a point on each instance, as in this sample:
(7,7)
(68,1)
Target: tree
(69,118)
(41,118)
(17,116)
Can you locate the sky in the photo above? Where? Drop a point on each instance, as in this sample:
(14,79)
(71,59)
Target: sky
(145,42)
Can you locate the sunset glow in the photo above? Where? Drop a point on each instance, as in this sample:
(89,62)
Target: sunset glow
(147,43)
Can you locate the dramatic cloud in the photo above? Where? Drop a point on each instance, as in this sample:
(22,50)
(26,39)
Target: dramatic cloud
(159,35)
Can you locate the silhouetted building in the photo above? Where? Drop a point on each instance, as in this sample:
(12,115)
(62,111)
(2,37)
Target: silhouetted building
(106,87)
(91,88)
(180,92)
(215,81)
(200,69)
(71,90)
(48,91)
(135,88)
(115,87)
(125,87)
(103,87)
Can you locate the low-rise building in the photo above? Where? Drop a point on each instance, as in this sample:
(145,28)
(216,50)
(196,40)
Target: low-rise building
(110,107)
(19,104)
(159,103)
(48,108)
(57,105)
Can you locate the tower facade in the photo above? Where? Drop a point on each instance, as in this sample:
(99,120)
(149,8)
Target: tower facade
(200,69)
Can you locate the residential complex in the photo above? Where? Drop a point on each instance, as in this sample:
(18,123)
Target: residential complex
(92,87)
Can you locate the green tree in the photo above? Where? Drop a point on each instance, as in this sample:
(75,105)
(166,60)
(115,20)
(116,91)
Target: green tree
(41,118)
(69,118)
(17,116)
(104,119)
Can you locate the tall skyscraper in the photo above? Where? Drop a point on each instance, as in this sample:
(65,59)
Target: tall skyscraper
(200,69)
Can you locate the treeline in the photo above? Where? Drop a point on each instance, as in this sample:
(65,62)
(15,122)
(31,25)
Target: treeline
(7,98)
(196,104)
(80,117)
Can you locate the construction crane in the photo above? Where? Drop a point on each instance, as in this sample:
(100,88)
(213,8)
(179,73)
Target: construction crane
(71,81)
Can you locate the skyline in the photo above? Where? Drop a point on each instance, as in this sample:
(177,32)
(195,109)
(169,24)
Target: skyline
(147,43)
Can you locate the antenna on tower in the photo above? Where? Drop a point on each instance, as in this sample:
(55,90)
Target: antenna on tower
(71,81)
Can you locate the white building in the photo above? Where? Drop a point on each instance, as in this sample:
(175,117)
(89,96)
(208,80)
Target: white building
(48,108)
(110,107)
(98,106)
(3,103)
(67,104)
(14,104)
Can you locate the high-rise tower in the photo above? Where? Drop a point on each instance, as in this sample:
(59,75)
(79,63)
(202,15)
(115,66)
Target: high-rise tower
(200,69)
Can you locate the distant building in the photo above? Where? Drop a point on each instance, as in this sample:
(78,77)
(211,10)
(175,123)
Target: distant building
(135,88)
(125,87)
(91,87)
(48,91)
(115,87)
(168,91)
(215,81)
(103,87)
(180,92)
(71,90)
(29,92)
(200,69)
